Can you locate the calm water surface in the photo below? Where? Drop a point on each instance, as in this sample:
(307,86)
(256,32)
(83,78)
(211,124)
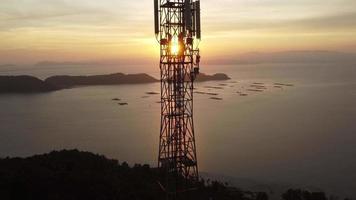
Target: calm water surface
(304,134)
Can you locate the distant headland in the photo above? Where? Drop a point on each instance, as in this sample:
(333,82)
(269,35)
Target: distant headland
(24,84)
(30,84)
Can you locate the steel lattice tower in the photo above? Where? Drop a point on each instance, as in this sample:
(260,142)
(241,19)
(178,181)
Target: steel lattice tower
(177,28)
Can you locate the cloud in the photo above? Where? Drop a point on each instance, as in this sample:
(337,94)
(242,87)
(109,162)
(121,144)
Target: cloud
(327,23)
(334,22)
(53,13)
(278,15)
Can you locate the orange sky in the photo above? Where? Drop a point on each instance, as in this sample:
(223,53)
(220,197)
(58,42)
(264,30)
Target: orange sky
(91,30)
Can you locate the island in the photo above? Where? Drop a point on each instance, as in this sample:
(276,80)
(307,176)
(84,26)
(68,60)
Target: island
(30,84)
(110,79)
(215,77)
(24,84)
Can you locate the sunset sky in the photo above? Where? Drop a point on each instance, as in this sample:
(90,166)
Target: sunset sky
(91,30)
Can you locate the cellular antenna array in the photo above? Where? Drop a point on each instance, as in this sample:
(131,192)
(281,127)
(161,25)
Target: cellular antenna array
(178,30)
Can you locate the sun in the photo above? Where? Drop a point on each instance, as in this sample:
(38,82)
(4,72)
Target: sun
(175,46)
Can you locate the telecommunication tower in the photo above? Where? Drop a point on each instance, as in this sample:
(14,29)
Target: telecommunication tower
(178,31)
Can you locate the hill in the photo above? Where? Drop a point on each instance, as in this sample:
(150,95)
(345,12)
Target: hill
(67,175)
(24,84)
(72,174)
(30,84)
(215,77)
(110,79)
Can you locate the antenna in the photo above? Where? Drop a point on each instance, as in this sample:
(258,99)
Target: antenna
(197,18)
(156,17)
(188,14)
(194,19)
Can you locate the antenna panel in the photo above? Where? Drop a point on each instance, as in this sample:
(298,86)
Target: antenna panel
(198,25)
(194,19)
(188,15)
(156,17)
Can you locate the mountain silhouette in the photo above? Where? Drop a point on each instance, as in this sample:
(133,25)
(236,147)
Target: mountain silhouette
(30,84)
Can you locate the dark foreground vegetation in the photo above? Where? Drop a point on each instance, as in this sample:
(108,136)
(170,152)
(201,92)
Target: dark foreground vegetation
(75,175)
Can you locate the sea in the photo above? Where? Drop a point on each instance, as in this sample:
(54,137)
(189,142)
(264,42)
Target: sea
(298,129)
